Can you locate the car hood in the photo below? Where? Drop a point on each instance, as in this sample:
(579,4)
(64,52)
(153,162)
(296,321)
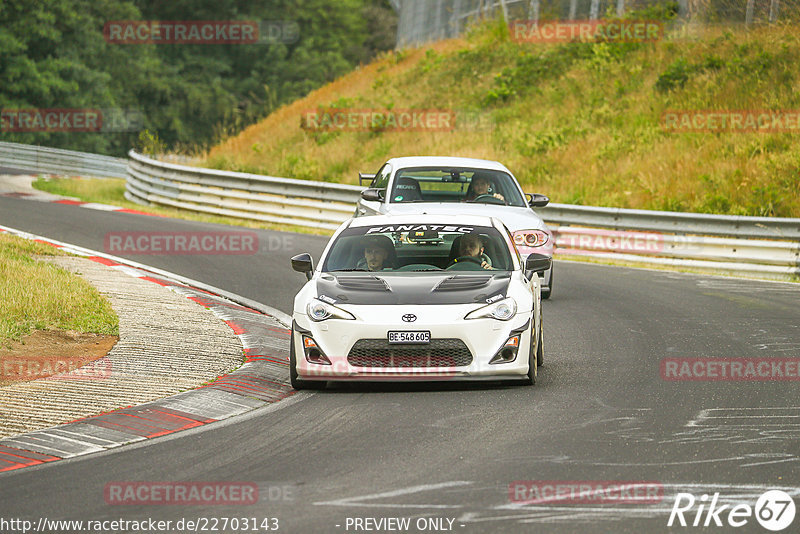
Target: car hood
(418,288)
(516,218)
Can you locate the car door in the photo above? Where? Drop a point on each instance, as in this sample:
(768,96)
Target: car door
(381,182)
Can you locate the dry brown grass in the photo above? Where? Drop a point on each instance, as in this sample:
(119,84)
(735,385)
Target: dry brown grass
(588,135)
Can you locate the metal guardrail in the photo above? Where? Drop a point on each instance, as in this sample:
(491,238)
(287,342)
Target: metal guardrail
(46,160)
(241,195)
(756,257)
(673,222)
(766,247)
(761,246)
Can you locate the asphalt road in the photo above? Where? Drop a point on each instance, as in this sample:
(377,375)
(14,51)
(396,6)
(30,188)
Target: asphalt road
(9,170)
(600,411)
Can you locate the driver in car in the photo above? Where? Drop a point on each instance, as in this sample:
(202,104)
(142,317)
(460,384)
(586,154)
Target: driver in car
(480,185)
(378,251)
(472,245)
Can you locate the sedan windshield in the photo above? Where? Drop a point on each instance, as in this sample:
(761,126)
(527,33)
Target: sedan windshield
(449,184)
(419,247)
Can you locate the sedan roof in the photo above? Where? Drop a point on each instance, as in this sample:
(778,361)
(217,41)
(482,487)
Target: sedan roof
(423,218)
(445,161)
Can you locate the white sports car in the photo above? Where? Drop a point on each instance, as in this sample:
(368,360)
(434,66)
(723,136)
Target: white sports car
(425,297)
(460,186)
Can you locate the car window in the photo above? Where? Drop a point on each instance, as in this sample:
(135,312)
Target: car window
(418,247)
(381,180)
(440,184)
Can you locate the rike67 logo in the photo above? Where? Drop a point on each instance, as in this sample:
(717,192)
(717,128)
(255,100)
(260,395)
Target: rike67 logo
(774,510)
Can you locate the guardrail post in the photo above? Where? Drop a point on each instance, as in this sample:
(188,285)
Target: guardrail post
(594,10)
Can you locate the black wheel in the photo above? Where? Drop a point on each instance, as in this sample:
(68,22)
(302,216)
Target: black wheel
(540,344)
(296,382)
(533,371)
(549,291)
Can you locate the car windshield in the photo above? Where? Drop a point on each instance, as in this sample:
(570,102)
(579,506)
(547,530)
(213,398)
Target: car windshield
(419,247)
(455,184)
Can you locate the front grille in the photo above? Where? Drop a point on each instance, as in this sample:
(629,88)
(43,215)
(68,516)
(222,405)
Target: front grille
(437,353)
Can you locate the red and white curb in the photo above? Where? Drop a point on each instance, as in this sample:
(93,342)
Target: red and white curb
(101,207)
(261,380)
(41,196)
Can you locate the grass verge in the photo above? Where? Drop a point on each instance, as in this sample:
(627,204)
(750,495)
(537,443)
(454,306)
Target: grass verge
(35,295)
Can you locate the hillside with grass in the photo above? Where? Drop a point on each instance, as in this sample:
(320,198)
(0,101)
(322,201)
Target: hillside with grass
(580,122)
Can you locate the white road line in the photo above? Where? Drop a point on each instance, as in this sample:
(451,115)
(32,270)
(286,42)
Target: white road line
(356,501)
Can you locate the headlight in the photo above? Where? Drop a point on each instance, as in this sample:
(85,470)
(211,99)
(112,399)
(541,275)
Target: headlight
(530,238)
(502,310)
(320,311)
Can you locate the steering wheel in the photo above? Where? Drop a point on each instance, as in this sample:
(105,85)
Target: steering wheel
(473,259)
(487,196)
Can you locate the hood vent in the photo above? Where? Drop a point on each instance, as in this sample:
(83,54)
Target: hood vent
(363,283)
(461,282)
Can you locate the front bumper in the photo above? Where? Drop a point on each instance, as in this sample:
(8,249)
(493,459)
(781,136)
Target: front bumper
(336,338)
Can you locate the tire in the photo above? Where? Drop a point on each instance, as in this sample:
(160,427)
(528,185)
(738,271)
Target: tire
(296,382)
(540,344)
(533,370)
(549,291)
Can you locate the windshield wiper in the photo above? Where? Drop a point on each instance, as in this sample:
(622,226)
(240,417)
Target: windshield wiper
(347,270)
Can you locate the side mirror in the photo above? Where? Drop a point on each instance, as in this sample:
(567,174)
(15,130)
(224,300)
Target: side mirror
(371,194)
(538,263)
(536,200)
(365,177)
(304,264)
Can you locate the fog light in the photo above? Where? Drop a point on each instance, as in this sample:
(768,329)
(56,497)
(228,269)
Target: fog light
(508,353)
(313,353)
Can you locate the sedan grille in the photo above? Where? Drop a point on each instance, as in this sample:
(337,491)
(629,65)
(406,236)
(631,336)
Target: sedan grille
(437,353)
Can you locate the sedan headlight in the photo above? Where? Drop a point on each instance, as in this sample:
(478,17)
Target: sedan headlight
(531,238)
(321,311)
(502,310)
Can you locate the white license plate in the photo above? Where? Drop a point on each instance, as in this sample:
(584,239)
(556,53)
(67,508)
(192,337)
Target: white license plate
(410,336)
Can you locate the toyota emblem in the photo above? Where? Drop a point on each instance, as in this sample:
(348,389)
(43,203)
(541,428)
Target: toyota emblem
(409,318)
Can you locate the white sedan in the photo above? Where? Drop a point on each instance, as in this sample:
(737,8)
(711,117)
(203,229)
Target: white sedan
(460,186)
(419,297)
